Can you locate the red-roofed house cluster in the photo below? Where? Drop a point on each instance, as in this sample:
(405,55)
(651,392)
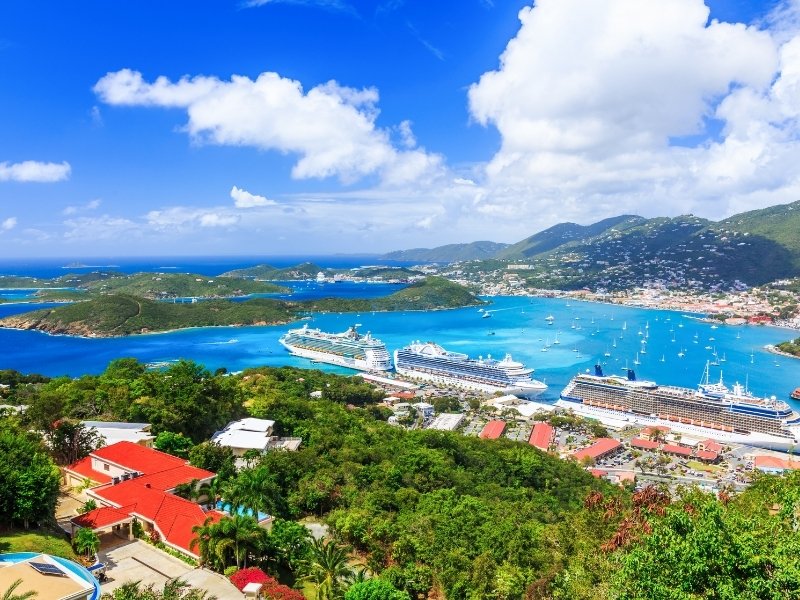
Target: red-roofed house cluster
(708,451)
(129,481)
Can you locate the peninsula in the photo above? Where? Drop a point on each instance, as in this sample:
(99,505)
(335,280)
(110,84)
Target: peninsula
(119,314)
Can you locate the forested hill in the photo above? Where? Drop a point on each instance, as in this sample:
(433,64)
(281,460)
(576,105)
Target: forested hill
(449,253)
(306,270)
(123,314)
(432,514)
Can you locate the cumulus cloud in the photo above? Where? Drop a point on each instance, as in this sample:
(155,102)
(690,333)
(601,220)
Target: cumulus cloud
(244,199)
(331,127)
(218,220)
(609,103)
(8,224)
(104,227)
(89,206)
(34,171)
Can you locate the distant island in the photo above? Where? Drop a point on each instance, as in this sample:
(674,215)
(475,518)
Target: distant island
(120,314)
(154,286)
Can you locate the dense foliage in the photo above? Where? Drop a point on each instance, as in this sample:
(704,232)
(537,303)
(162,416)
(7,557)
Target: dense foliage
(29,480)
(791,347)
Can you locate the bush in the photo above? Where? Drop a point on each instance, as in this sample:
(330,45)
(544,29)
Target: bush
(270,589)
(250,575)
(375,589)
(230,571)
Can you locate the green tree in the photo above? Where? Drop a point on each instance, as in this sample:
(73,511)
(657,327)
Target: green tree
(176,444)
(11,592)
(86,542)
(375,589)
(328,568)
(71,440)
(215,458)
(255,489)
(241,535)
(172,590)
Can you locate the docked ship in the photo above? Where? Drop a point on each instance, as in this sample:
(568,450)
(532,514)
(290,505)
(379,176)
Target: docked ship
(349,349)
(431,362)
(713,410)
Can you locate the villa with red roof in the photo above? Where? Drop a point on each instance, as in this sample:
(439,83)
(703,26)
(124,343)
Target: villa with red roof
(131,482)
(493,430)
(601,448)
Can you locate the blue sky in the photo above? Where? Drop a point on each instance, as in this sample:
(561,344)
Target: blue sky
(293,126)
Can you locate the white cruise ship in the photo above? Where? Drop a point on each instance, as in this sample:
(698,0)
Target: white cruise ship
(431,362)
(712,410)
(349,349)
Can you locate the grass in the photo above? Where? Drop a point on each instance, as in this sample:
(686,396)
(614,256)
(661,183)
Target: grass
(699,466)
(36,540)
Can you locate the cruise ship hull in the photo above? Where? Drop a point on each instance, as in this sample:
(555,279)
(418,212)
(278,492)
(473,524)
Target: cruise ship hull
(619,418)
(331,359)
(523,391)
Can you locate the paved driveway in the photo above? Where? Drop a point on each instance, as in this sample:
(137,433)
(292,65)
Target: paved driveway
(139,561)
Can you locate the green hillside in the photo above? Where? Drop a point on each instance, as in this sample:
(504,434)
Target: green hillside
(565,233)
(449,253)
(124,314)
(114,315)
(181,285)
(306,270)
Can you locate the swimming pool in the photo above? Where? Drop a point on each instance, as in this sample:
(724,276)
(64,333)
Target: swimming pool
(226,507)
(74,568)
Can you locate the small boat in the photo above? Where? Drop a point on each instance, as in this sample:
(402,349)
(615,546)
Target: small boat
(549,319)
(681,354)
(555,341)
(663,359)
(724,358)
(636,360)
(795,395)
(614,343)
(607,352)
(713,327)
(486,315)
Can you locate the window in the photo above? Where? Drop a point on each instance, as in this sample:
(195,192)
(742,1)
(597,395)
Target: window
(106,467)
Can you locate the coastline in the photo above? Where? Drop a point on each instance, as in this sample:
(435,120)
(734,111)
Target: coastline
(774,350)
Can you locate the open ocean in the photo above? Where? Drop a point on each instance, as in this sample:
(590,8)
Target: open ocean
(585,332)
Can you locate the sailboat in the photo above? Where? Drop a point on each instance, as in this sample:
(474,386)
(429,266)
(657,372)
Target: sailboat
(644,347)
(738,335)
(663,359)
(636,360)
(555,341)
(724,358)
(752,358)
(624,325)
(682,353)
(607,352)
(549,319)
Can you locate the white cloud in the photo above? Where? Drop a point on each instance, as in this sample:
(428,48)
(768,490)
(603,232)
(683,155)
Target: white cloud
(593,101)
(331,127)
(89,206)
(8,224)
(244,199)
(104,227)
(34,171)
(218,220)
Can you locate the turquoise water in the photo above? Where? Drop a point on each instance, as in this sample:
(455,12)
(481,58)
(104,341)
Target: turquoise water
(518,325)
(226,507)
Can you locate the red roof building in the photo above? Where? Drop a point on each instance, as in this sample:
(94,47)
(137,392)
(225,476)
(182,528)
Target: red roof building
(542,436)
(648,432)
(136,482)
(707,456)
(601,448)
(773,464)
(643,444)
(493,430)
(710,445)
(676,450)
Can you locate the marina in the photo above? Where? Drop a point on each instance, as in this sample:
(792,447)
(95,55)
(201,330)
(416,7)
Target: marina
(520,329)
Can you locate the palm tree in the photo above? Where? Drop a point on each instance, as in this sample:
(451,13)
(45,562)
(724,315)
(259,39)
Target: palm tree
(10,594)
(254,489)
(210,491)
(329,569)
(241,534)
(86,541)
(206,537)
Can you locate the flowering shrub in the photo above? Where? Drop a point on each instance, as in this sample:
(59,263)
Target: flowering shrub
(250,575)
(271,588)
